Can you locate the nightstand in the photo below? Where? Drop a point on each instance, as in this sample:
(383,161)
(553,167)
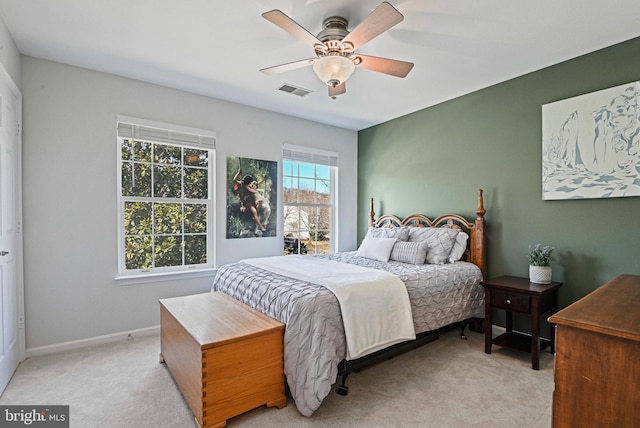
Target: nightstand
(514,294)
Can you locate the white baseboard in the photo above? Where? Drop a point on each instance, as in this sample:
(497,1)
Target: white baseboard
(497,330)
(98,340)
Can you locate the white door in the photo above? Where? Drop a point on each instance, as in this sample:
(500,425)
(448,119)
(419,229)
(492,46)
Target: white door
(12,344)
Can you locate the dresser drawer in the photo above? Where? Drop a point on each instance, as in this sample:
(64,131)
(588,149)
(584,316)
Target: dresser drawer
(510,301)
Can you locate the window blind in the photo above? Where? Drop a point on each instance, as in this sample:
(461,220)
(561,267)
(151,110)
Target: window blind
(159,134)
(309,155)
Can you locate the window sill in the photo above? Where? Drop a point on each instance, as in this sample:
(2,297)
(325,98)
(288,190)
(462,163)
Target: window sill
(164,276)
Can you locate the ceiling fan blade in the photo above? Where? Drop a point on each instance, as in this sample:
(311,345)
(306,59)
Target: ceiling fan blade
(337,90)
(383,65)
(276,69)
(380,20)
(278,18)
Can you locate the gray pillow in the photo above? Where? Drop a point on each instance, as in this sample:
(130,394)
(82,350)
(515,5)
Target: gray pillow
(440,241)
(409,252)
(400,233)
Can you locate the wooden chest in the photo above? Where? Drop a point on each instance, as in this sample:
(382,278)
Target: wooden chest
(226,357)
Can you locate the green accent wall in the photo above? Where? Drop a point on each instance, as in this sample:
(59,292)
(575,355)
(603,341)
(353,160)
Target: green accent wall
(433,161)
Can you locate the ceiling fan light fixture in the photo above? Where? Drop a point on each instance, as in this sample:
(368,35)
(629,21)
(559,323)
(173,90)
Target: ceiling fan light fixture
(333,70)
(335,46)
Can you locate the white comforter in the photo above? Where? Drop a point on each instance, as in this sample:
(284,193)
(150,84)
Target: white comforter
(375,306)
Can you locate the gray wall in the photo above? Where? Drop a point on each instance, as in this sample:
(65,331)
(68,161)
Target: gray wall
(434,160)
(9,55)
(70,212)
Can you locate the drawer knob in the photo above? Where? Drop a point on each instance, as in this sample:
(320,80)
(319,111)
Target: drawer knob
(508,301)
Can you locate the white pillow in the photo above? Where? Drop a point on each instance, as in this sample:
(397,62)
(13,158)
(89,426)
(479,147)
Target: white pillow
(376,248)
(409,252)
(459,247)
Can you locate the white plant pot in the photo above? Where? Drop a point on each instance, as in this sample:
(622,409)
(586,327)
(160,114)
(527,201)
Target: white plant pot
(540,274)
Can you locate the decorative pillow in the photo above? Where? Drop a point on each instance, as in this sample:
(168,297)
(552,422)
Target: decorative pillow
(409,252)
(440,241)
(459,247)
(400,233)
(376,248)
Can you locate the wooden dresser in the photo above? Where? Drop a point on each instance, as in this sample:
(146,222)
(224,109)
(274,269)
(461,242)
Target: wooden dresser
(226,357)
(597,364)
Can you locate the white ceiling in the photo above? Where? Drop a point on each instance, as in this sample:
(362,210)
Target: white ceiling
(215,47)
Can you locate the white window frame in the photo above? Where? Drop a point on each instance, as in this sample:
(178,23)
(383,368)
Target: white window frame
(176,135)
(318,157)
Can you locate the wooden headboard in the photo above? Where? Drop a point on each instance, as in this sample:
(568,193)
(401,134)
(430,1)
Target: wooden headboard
(476,245)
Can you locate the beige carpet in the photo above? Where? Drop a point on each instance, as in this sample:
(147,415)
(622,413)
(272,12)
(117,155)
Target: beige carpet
(447,383)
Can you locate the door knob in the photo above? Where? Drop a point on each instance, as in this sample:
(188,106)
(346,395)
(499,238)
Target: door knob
(3,253)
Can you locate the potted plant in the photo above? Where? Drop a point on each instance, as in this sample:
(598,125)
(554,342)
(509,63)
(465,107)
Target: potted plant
(540,263)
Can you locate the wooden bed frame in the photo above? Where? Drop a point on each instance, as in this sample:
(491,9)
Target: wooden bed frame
(475,253)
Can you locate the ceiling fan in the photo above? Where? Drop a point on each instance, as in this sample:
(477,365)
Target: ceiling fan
(335,47)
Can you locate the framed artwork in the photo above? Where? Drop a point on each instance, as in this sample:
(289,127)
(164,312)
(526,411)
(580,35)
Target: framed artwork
(591,145)
(251,198)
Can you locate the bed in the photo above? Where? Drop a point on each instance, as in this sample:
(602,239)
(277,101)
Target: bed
(441,294)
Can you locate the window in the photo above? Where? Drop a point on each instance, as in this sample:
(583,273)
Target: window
(165,197)
(309,183)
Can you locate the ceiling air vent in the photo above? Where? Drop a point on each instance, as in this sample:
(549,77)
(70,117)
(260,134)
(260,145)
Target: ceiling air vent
(294,90)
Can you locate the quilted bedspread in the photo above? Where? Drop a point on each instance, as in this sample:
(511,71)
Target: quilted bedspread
(314,341)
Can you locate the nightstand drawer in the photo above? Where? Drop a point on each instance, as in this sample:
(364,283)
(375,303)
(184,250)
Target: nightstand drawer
(510,301)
